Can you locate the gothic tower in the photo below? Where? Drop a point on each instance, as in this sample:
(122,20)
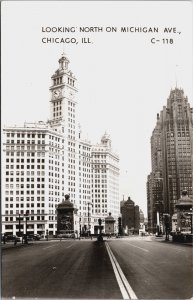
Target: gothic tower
(171,152)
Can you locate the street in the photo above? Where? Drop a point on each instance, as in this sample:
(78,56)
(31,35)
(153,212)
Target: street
(144,268)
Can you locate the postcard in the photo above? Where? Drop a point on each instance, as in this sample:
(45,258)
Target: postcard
(97,143)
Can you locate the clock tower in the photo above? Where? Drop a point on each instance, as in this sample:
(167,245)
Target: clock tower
(63,92)
(63,119)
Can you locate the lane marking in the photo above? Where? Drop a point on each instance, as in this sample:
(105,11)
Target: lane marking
(125,288)
(138,247)
(70,246)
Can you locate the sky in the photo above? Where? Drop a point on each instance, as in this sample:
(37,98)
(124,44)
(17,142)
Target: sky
(123,78)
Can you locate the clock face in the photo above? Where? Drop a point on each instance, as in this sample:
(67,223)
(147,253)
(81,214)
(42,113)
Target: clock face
(56,93)
(71,95)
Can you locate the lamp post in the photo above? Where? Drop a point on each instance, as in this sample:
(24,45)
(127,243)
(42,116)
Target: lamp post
(167,225)
(100,238)
(19,220)
(80,226)
(190,213)
(89,203)
(26,216)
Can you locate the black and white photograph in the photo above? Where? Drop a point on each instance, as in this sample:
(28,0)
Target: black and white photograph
(96,150)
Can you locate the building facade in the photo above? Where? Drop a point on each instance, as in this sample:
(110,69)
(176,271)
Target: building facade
(85,197)
(130,216)
(172,160)
(32,178)
(63,119)
(105,181)
(43,161)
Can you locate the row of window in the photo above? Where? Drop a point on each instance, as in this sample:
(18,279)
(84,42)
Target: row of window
(21,186)
(39,154)
(33,142)
(32,192)
(26,166)
(28,160)
(22,135)
(22,198)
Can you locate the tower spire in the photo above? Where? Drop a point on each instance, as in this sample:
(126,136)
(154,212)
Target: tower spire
(176,77)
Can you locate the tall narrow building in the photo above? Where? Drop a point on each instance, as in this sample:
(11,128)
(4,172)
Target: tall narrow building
(63,119)
(172,156)
(41,161)
(105,181)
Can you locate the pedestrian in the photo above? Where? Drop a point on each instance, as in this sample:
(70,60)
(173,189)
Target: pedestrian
(15,242)
(4,240)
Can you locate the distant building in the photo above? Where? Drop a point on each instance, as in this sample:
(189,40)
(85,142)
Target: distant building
(172,160)
(141,216)
(105,181)
(130,216)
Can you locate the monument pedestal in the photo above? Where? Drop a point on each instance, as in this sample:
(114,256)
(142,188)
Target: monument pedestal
(67,224)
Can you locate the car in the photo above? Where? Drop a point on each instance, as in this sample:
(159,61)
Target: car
(28,238)
(158,234)
(35,237)
(12,238)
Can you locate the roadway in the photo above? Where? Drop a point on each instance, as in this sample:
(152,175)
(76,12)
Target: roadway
(87,269)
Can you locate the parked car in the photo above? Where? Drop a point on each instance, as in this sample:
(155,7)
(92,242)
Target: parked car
(12,238)
(28,237)
(66,235)
(35,237)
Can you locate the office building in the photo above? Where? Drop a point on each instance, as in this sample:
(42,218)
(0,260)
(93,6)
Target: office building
(172,160)
(43,161)
(105,181)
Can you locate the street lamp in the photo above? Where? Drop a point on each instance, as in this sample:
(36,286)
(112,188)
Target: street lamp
(167,225)
(100,238)
(89,203)
(19,220)
(26,216)
(80,225)
(191,214)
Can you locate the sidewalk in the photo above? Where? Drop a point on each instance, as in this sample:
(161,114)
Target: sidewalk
(11,245)
(162,239)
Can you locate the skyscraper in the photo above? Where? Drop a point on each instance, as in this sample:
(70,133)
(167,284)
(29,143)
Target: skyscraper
(63,119)
(43,161)
(172,156)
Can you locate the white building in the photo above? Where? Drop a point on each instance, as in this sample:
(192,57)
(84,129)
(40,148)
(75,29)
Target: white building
(32,177)
(42,162)
(105,181)
(63,119)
